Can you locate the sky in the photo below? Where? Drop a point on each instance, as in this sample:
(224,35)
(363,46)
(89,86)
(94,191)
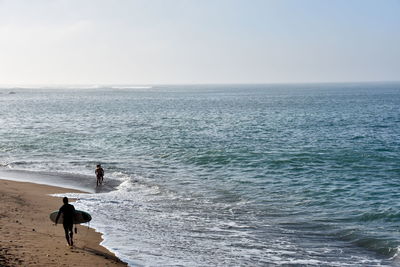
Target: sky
(198,41)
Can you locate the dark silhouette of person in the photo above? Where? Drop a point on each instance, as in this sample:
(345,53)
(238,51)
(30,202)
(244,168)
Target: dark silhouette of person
(68,212)
(99,174)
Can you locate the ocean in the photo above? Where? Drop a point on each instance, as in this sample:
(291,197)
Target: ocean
(220,175)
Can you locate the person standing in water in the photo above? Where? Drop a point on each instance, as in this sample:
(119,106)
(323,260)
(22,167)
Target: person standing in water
(68,212)
(99,174)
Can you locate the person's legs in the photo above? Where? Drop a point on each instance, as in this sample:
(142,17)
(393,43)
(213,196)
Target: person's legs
(69,233)
(99,180)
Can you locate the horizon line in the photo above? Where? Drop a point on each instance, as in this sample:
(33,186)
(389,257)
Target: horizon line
(100,85)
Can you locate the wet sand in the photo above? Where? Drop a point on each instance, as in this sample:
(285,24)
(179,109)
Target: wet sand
(29,238)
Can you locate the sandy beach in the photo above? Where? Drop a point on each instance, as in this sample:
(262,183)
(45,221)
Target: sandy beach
(29,238)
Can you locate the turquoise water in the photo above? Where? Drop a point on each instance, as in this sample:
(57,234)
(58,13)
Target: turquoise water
(247,175)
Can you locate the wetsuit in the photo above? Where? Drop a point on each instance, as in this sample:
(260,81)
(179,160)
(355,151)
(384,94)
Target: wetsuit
(100,175)
(68,211)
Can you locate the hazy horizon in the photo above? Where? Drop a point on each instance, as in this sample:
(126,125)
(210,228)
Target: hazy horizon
(149,85)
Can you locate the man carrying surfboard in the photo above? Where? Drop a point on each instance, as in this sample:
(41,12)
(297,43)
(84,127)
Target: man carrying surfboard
(99,174)
(68,211)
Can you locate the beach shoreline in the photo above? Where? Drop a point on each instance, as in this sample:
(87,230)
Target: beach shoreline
(29,238)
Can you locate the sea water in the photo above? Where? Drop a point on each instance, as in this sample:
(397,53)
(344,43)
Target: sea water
(224,175)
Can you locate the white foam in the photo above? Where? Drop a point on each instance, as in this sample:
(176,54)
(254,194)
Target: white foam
(144,224)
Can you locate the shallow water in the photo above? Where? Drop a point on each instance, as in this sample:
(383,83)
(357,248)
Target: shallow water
(221,175)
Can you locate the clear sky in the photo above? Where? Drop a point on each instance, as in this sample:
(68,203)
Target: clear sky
(198,41)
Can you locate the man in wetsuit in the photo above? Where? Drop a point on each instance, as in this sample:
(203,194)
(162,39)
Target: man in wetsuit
(68,212)
(99,174)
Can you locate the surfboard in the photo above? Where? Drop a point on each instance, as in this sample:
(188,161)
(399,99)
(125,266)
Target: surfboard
(79,217)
